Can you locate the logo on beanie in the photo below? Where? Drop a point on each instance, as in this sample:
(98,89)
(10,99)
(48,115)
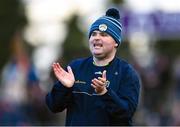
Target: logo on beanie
(102,27)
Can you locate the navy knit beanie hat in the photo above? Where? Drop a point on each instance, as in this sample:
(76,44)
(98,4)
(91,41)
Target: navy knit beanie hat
(110,24)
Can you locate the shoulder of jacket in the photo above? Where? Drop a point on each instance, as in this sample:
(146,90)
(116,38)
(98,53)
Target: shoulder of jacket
(125,66)
(78,62)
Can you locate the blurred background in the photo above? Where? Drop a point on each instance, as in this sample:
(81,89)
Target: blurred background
(35,33)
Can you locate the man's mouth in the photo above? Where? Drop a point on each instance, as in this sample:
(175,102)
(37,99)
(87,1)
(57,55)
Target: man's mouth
(97,45)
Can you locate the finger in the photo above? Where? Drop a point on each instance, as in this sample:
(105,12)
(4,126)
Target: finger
(70,70)
(59,67)
(97,82)
(57,70)
(54,67)
(95,87)
(104,74)
(102,79)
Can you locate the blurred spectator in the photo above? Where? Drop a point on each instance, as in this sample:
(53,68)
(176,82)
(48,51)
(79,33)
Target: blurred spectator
(22,100)
(13,86)
(156,80)
(176,93)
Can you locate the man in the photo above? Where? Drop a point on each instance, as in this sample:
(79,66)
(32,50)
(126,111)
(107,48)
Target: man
(101,89)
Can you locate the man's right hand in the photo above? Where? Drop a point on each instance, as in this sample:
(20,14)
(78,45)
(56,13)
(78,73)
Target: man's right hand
(66,78)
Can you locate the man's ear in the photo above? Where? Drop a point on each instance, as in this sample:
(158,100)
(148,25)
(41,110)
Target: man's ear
(116,45)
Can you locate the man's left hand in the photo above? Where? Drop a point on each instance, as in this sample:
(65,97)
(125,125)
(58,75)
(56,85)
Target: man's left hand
(100,84)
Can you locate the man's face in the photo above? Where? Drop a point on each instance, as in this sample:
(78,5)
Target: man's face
(102,45)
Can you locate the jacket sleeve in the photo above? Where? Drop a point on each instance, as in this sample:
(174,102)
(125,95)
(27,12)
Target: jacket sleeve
(59,97)
(123,103)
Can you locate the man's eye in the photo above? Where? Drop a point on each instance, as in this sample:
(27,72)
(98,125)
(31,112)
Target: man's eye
(93,34)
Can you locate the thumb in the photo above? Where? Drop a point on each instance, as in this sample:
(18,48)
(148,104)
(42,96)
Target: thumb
(104,74)
(70,70)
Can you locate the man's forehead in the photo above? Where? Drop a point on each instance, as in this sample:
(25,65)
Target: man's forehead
(98,31)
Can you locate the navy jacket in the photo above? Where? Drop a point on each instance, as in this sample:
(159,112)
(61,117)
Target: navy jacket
(85,107)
